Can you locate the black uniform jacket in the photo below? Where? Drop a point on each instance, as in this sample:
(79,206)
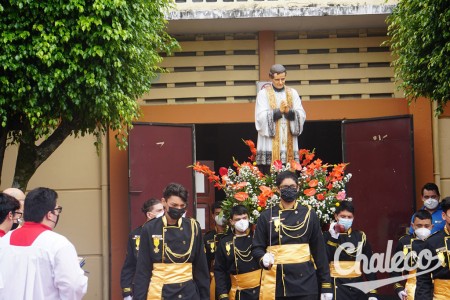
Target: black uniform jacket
(129,266)
(409,246)
(439,245)
(358,239)
(294,279)
(232,261)
(162,243)
(211,240)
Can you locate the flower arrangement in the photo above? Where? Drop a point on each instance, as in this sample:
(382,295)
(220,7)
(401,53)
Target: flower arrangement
(322,186)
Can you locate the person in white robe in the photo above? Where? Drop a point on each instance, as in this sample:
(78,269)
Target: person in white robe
(279,120)
(37,263)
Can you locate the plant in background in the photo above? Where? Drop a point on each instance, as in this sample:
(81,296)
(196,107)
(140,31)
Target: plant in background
(322,186)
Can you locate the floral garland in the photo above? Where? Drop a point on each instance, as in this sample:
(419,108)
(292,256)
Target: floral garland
(321,186)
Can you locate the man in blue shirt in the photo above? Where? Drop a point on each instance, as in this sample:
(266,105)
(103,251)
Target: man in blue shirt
(430,198)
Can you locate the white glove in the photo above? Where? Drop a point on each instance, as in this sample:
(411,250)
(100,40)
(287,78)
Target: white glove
(402,295)
(334,234)
(326,296)
(372,298)
(268,259)
(128,298)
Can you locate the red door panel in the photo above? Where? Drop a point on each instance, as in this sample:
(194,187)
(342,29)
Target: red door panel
(158,155)
(380,153)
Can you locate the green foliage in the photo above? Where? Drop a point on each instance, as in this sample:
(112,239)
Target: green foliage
(419,33)
(82,62)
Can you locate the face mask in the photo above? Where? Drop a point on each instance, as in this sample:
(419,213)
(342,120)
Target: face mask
(220,221)
(431,203)
(14,226)
(160,215)
(422,233)
(176,213)
(57,220)
(347,223)
(241,225)
(289,194)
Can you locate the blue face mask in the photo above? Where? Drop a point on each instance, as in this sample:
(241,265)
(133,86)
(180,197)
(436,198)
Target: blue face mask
(347,223)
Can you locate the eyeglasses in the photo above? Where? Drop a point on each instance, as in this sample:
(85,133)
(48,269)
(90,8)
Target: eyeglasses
(59,209)
(288,186)
(18,213)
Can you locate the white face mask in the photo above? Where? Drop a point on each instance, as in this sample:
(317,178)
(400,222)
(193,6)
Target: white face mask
(422,233)
(431,203)
(219,221)
(160,215)
(241,225)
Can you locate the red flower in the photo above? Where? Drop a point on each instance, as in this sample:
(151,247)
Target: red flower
(223,171)
(278,164)
(320,197)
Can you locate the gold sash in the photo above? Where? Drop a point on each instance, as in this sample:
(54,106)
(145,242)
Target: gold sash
(212,287)
(348,269)
(167,274)
(276,140)
(244,281)
(410,285)
(284,254)
(441,289)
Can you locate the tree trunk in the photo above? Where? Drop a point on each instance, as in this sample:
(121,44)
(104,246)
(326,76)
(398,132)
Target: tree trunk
(30,156)
(3,139)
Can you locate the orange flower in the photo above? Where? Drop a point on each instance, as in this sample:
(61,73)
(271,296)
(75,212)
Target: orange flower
(295,166)
(262,200)
(313,183)
(251,145)
(241,196)
(240,185)
(310,192)
(320,197)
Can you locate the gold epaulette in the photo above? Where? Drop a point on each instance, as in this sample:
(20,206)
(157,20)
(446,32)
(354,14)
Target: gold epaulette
(332,244)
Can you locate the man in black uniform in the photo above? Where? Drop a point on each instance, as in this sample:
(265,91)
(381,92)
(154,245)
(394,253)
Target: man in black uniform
(344,267)
(436,284)
(211,240)
(212,237)
(151,208)
(237,274)
(409,246)
(287,237)
(172,262)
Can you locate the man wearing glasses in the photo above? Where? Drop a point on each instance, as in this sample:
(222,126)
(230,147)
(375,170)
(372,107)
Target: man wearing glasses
(19,195)
(9,213)
(38,263)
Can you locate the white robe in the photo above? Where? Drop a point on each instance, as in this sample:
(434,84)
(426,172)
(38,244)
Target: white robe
(48,269)
(266,126)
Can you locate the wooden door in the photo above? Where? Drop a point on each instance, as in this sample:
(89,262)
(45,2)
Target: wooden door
(205,198)
(158,155)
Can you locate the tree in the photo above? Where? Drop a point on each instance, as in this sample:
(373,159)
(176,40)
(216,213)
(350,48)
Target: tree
(419,33)
(74,67)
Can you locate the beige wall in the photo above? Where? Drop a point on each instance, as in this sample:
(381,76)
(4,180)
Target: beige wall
(74,170)
(443,171)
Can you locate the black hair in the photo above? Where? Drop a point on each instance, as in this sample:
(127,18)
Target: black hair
(345,205)
(445,204)
(238,210)
(276,69)
(38,203)
(422,215)
(148,205)
(175,189)
(216,205)
(284,175)
(7,204)
(431,187)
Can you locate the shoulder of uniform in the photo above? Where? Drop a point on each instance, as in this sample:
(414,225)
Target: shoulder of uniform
(435,234)
(405,237)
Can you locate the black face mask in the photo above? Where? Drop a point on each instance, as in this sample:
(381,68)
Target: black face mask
(57,220)
(14,226)
(289,194)
(176,213)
